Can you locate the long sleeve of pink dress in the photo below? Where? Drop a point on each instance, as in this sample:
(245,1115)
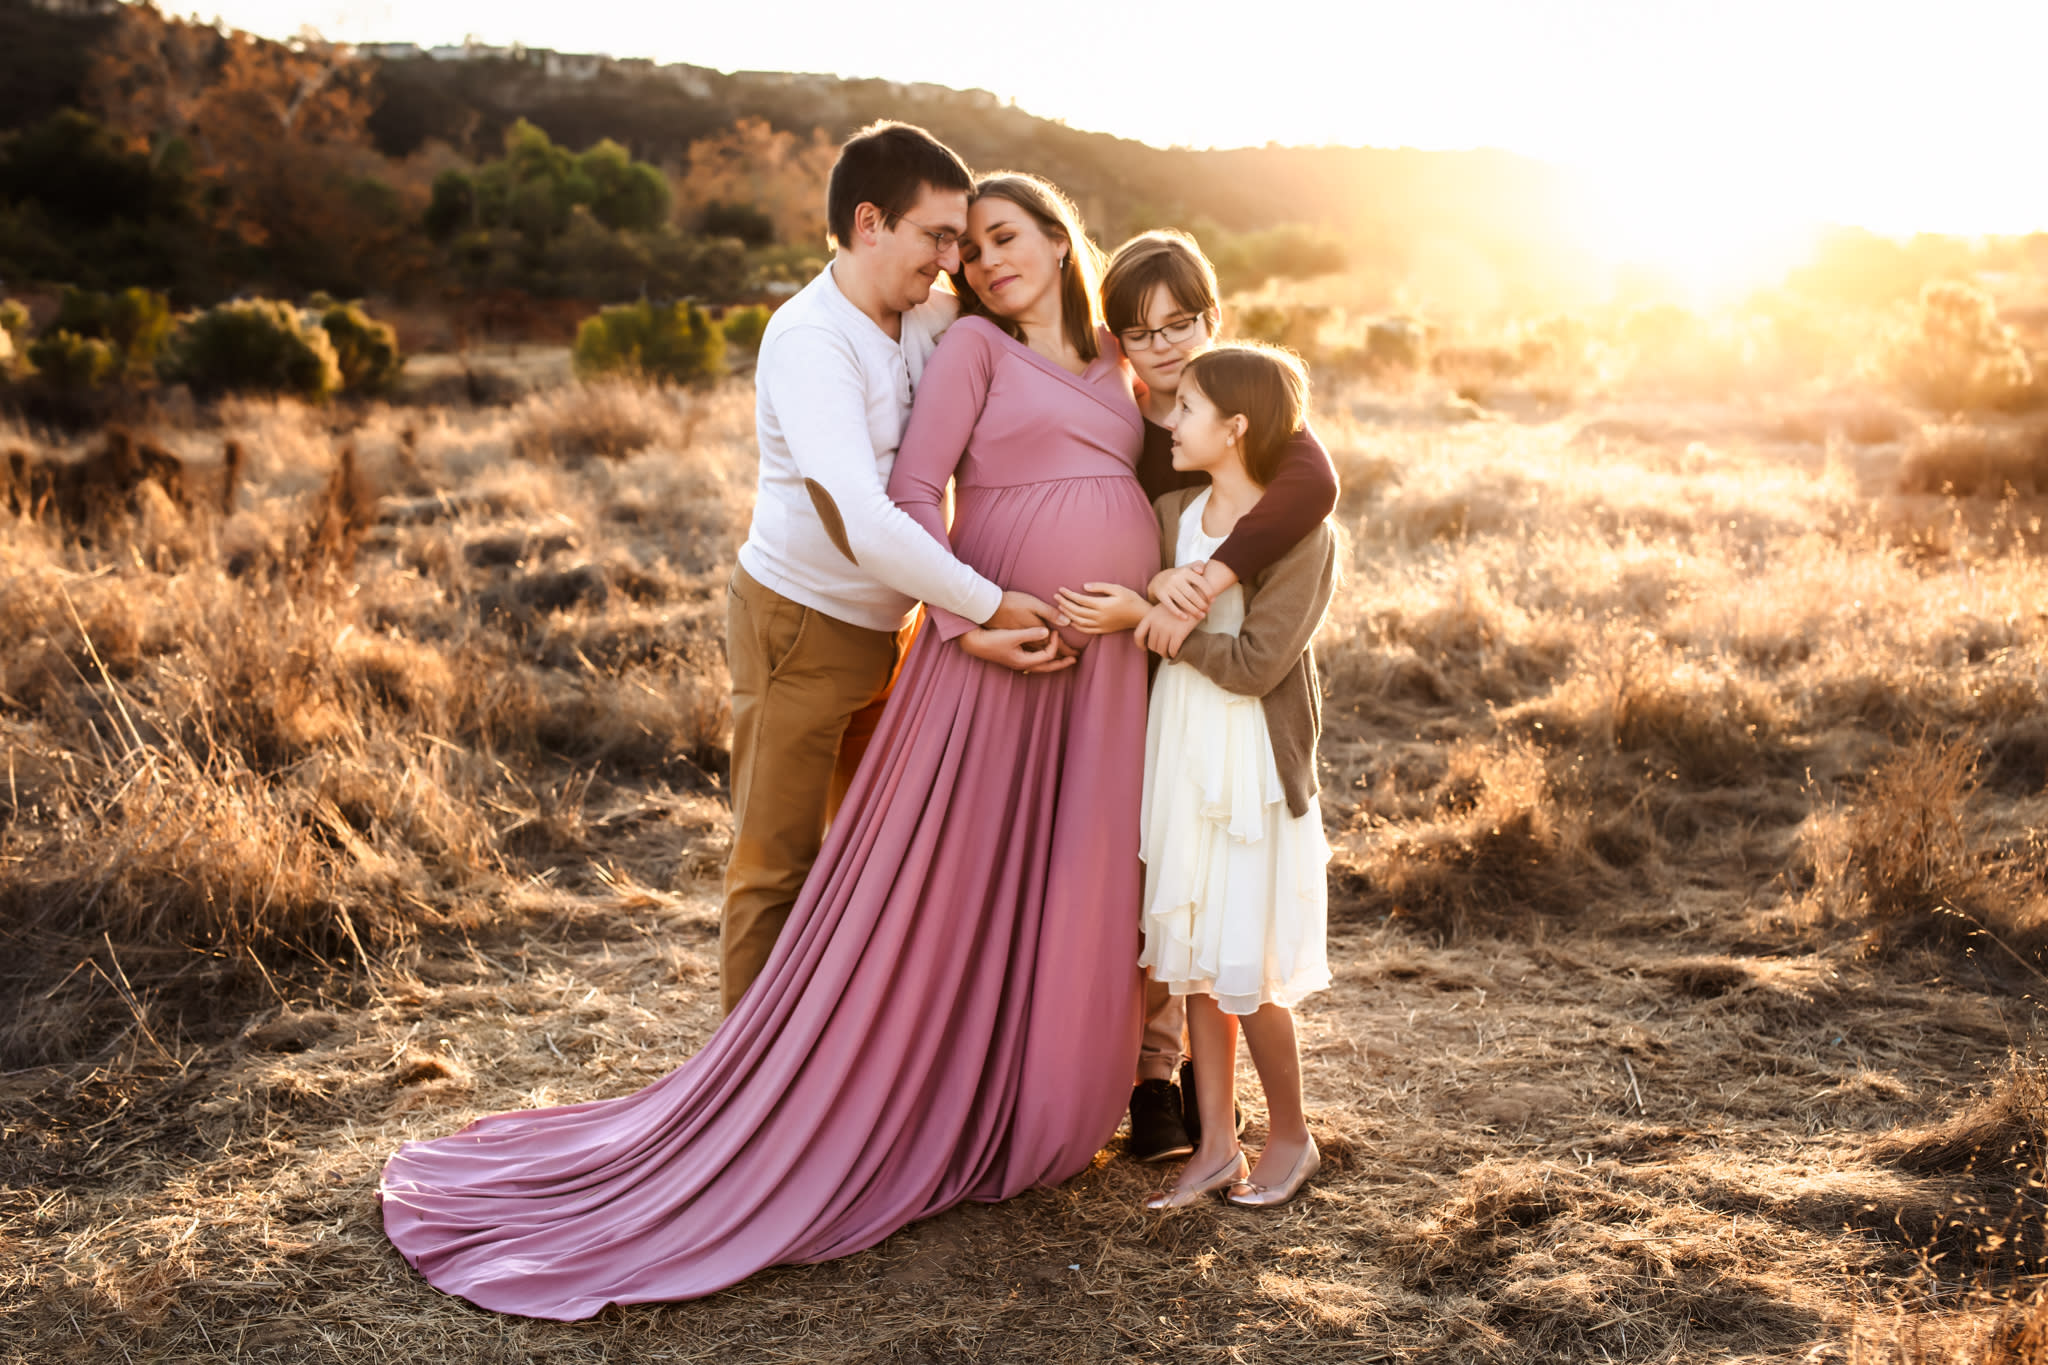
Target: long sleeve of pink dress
(952,1011)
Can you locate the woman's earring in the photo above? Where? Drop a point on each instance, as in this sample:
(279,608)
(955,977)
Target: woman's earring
(1063,263)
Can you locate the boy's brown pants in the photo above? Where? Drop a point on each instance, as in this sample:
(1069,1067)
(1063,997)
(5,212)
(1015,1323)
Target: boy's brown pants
(807,693)
(1166,1019)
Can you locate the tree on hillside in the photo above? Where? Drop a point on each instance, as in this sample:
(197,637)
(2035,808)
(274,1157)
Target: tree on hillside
(590,224)
(79,204)
(624,193)
(276,133)
(537,185)
(750,165)
(84,175)
(43,55)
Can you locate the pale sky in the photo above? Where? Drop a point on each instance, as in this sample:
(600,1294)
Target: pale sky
(1707,124)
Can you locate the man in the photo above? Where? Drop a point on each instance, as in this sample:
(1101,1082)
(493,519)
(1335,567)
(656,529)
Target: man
(822,604)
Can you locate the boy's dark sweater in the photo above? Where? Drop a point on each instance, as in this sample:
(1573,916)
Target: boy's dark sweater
(1302,494)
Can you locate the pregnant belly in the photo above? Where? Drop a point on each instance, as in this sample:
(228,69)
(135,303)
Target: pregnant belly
(1039,538)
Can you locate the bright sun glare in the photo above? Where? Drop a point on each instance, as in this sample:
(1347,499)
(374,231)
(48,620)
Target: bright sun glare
(1707,237)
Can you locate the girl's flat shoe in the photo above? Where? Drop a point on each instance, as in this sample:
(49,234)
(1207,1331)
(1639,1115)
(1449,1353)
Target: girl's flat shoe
(1183,1194)
(1246,1195)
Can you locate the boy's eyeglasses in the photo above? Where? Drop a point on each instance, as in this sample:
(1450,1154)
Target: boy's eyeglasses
(945,239)
(1171,334)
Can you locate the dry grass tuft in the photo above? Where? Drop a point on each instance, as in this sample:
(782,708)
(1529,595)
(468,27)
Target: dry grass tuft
(1908,836)
(1963,460)
(1991,1156)
(1495,1204)
(1989,1329)
(98,492)
(1708,727)
(1501,849)
(598,420)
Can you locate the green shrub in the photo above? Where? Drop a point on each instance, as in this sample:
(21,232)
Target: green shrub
(1298,327)
(1244,261)
(1958,356)
(534,187)
(1395,343)
(366,349)
(622,193)
(135,322)
(70,362)
(744,326)
(707,267)
(255,345)
(792,263)
(743,221)
(83,174)
(659,341)
(1559,342)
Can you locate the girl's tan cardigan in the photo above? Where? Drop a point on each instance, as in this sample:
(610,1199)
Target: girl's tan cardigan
(1269,657)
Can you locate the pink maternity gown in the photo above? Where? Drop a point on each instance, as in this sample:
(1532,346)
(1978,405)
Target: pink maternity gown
(953,1009)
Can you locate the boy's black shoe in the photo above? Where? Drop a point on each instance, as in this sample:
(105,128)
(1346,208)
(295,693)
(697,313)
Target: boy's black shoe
(1191,1114)
(1157,1133)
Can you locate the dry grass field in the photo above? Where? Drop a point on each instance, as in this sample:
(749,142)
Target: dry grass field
(1686,764)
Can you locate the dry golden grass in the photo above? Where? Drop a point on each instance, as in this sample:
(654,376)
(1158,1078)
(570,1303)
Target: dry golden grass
(1685,765)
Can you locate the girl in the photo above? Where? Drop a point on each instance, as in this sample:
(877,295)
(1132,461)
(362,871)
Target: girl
(1232,836)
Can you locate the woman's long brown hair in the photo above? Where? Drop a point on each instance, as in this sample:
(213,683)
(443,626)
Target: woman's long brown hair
(1056,216)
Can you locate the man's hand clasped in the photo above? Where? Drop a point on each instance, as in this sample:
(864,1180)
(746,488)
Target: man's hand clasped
(1021,638)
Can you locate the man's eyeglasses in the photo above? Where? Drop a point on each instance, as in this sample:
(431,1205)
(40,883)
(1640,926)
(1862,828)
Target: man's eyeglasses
(945,239)
(1171,334)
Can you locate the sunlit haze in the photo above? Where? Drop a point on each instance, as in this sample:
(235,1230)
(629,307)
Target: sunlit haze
(1712,134)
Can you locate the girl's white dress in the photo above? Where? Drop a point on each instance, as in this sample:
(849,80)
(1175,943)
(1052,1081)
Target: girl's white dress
(1236,890)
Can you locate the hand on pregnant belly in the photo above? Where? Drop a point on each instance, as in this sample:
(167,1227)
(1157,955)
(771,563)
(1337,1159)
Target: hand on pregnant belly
(1065,533)
(1102,562)
(1099,608)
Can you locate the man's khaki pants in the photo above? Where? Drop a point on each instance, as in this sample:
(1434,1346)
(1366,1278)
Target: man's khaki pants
(807,693)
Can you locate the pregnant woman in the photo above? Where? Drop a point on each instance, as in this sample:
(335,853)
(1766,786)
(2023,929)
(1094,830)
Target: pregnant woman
(952,1012)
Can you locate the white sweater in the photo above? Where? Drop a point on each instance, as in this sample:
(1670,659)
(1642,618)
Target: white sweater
(832,394)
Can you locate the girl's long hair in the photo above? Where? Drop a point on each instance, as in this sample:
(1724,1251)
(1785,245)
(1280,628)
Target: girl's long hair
(1265,385)
(1057,217)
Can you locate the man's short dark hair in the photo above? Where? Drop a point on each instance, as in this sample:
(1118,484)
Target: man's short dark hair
(888,164)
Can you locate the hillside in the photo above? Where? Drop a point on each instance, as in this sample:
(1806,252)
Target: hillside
(1123,185)
(399,114)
